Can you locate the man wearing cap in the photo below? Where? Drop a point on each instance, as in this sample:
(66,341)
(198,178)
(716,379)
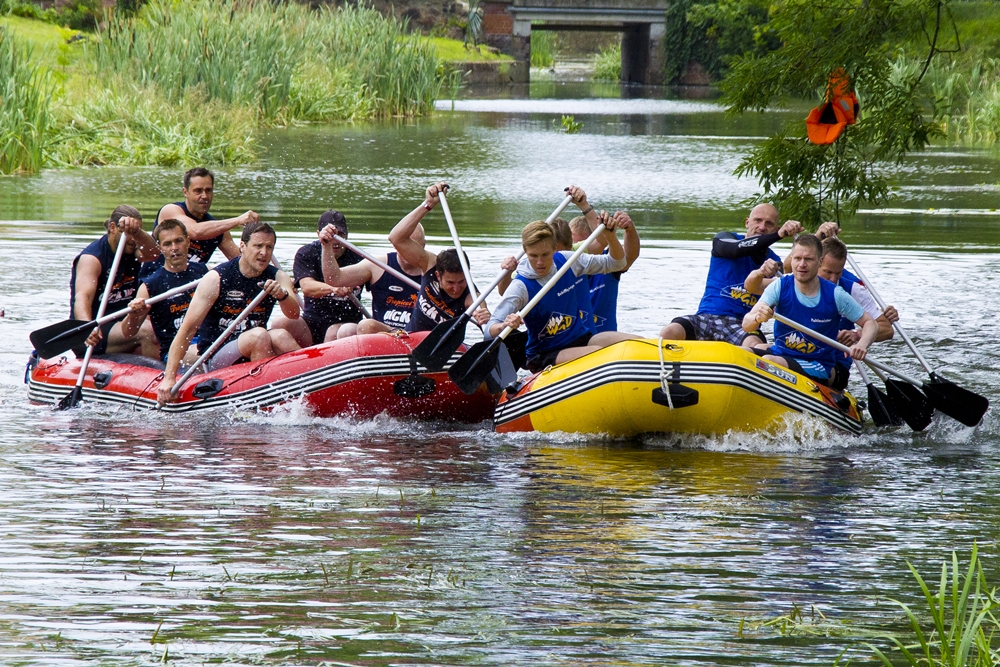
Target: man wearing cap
(90,273)
(327,308)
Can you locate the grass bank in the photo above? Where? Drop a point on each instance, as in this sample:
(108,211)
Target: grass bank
(194,82)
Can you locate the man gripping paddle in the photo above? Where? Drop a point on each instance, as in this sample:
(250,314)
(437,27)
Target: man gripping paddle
(560,327)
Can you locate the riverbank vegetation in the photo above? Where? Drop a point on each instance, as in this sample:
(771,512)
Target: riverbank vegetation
(194,82)
(955,625)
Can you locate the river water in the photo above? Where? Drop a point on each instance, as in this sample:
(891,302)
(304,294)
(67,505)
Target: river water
(281,538)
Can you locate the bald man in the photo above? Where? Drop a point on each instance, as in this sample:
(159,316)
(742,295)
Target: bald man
(725,301)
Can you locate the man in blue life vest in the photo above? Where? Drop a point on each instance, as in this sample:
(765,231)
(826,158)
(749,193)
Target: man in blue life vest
(205,233)
(558,328)
(604,286)
(90,272)
(831,268)
(725,301)
(443,292)
(393,300)
(222,295)
(327,308)
(818,304)
(166,316)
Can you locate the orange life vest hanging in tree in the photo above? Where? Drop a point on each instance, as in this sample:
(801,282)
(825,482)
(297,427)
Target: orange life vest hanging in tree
(826,122)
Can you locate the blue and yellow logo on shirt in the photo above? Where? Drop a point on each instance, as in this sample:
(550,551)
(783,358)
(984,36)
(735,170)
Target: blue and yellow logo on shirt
(557,323)
(799,343)
(737,292)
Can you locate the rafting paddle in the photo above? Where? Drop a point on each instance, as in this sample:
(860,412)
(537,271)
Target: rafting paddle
(218,342)
(436,349)
(878,402)
(61,336)
(907,400)
(72,399)
(957,402)
(377,262)
(479,361)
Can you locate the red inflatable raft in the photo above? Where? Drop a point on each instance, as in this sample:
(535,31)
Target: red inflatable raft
(361,377)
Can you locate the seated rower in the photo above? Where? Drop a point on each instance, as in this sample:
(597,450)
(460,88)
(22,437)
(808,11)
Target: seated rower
(91,269)
(222,295)
(392,298)
(726,301)
(604,286)
(327,308)
(172,238)
(443,292)
(205,232)
(816,303)
(557,329)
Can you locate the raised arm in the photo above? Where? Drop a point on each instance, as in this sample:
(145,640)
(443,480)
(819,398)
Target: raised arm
(762,277)
(146,249)
(207,229)
(333,274)
(409,250)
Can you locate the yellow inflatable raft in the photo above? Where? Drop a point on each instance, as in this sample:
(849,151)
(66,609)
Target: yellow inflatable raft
(642,386)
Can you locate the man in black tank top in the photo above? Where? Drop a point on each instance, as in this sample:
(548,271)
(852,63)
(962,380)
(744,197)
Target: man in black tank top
(166,316)
(327,309)
(392,298)
(91,269)
(202,228)
(222,294)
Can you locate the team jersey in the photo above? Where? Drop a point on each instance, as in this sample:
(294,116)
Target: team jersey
(236,291)
(126,279)
(561,316)
(434,305)
(166,316)
(393,300)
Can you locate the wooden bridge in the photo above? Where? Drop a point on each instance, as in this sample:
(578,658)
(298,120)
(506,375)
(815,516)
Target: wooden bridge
(507,25)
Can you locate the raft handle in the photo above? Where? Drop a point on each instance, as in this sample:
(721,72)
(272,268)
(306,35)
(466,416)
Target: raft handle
(207,388)
(102,379)
(680,396)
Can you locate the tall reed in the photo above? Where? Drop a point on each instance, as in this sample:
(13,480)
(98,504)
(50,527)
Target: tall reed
(608,63)
(25,99)
(241,52)
(544,46)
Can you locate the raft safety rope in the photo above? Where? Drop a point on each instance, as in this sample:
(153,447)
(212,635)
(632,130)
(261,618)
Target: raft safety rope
(663,374)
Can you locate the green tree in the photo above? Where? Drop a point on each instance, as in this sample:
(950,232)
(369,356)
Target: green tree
(813,183)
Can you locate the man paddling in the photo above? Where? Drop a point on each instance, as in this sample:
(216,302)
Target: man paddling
(819,304)
(166,316)
(725,301)
(327,308)
(393,299)
(205,232)
(443,293)
(559,328)
(90,272)
(222,295)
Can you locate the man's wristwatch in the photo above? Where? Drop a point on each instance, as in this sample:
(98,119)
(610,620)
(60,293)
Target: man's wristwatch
(587,210)
(283,296)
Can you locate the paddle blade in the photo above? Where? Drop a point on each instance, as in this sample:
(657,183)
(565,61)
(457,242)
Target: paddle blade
(517,344)
(503,374)
(878,408)
(475,365)
(71,400)
(956,402)
(436,349)
(909,403)
(59,337)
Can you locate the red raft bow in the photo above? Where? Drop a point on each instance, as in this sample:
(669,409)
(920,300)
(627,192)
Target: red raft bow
(827,121)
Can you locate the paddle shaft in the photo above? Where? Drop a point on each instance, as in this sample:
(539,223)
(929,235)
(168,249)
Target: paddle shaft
(504,272)
(357,302)
(843,348)
(555,279)
(298,297)
(458,243)
(861,372)
(380,264)
(149,302)
(881,304)
(119,251)
(218,341)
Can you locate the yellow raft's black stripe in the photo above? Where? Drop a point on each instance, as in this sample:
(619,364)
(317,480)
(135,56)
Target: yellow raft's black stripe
(685,372)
